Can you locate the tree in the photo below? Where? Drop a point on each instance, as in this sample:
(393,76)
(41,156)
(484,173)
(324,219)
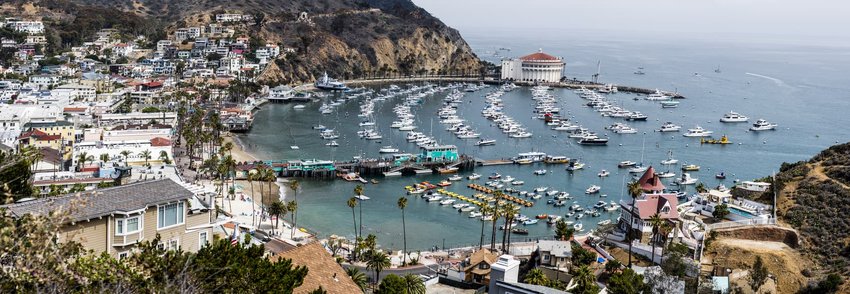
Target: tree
(146,154)
(251,177)
(294,186)
(358,190)
(163,156)
(352,202)
(581,256)
(509,212)
(485,210)
(626,282)
(612,266)
(563,231)
(536,277)
(720,211)
(700,187)
(103,159)
(292,208)
(634,190)
(357,276)
(402,203)
(585,280)
(126,154)
(655,221)
(377,262)
(392,284)
(759,274)
(413,284)
(276,209)
(82,158)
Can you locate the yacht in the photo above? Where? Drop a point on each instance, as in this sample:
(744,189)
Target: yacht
(733,117)
(327,83)
(669,127)
(626,163)
(332,144)
(388,149)
(657,96)
(670,160)
(485,142)
(687,179)
(669,104)
(636,116)
(638,169)
(690,167)
(517,183)
(666,174)
(495,176)
(447,202)
(578,227)
(473,177)
(540,172)
(455,178)
(603,173)
(541,189)
(435,198)
(474,214)
(593,141)
(697,132)
(460,205)
(592,189)
(574,166)
(763,125)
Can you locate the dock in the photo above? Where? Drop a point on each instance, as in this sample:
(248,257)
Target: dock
(481,162)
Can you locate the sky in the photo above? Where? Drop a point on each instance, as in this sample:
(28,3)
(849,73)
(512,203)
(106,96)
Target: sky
(769,18)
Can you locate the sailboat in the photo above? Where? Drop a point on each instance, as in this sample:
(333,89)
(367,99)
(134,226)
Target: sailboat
(670,160)
(639,168)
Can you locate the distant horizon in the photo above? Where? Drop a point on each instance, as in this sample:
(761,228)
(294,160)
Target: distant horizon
(739,20)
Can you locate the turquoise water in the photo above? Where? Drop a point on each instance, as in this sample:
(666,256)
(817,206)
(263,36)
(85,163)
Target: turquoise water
(802,88)
(741,212)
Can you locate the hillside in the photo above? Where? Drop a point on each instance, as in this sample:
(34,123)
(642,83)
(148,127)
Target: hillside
(346,38)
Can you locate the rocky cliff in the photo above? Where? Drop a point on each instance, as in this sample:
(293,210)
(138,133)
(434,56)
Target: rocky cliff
(346,38)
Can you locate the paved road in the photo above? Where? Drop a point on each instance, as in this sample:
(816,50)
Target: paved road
(425,270)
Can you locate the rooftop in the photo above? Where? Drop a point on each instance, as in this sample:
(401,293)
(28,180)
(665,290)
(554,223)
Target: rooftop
(106,201)
(556,248)
(540,56)
(650,182)
(322,270)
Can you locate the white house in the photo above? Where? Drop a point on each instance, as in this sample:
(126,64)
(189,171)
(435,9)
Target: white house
(29,27)
(753,186)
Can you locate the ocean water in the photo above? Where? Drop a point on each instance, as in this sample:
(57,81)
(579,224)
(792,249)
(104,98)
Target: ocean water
(803,88)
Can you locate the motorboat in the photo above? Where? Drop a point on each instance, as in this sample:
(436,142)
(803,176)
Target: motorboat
(434,198)
(638,169)
(574,166)
(733,117)
(517,183)
(636,116)
(299,106)
(468,209)
(447,170)
(540,189)
(444,183)
(447,202)
(603,173)
(455,178)
(697,132)
(593,141)
(388,149)
(530,222)
(626,163)
(332,144)
(553,219)
(473,177)
(474,214)
(592,189)
(362,197)
(600,204)
(657,96)
(327,83)
(495,176)
(669,104)
(519,231)
(720,176)
(690,167)
(669,127)
(540,172)
(460,205)
(507,179)
(686,179)
(670,160)
(319,127)
(763,125)
(578,227)
(604,222)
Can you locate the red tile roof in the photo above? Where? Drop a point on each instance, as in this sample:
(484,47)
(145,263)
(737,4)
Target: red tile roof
(650,182)
(653,203)
(74,109)
(540,56)
(152,84)
(160,142)
(39,135)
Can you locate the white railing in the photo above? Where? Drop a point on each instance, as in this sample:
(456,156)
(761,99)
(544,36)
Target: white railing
(741,223)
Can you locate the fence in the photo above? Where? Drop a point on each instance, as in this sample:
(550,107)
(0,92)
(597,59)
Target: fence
(741,223)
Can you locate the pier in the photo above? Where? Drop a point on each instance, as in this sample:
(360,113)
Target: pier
(365,167)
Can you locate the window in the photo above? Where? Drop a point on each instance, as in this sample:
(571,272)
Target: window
(170,215)
(545,257)
(202,239)
(129,225)
(123,255)
(173,244)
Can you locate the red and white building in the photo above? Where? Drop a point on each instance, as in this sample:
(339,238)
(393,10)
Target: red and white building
(536,67)
(653,201)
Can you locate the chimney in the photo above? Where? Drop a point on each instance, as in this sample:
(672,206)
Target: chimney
(505,269)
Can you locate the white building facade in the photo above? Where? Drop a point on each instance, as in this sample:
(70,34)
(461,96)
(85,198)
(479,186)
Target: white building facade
(537,67)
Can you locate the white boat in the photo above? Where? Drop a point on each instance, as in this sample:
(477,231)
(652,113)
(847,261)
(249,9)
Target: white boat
(435,198)
(657,96)
(638,169)
(447,202)
(332,144)
(578,227)
(592,189)
(388,149)
(604,222)
(669,104)
(666,174)
(686,179)
(574,166)
(669,127)
(626,163)
(763,125)
(540,172)
(474,177)
(319,127)
(455,178)
(530,222)
(670,160)
(697,132)
(603,173)
(293,147)
(299,106)
(362,197)
(485,142)
(474,214)
(733,117)
(541,189)
(468,209)
(517,183)
(460,205)
(327,83)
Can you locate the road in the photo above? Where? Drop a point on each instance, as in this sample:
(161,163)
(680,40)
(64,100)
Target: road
(417,270)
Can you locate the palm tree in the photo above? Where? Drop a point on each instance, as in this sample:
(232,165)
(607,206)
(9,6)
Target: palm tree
(163,156)
(357,276)
(496,213)
(146,155)
(377,262)
(402,203)
(82,158)
(294,185)
(413,284)
(655,221)
(352,202)
(262,175)
(536,277)
(276,209)
(292,207)
(584,277)
(484,211)
(103,159)
(634,191)
(251,177)
(358,190)
(126,154)
(509,213)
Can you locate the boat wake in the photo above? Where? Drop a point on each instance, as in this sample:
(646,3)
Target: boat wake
(775,80)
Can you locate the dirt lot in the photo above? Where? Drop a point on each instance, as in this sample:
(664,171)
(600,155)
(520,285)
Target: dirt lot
(782,261)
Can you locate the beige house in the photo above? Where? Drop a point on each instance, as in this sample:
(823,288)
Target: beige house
(115,220)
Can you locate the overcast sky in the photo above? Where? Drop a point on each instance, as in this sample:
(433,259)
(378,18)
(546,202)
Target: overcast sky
(829,18)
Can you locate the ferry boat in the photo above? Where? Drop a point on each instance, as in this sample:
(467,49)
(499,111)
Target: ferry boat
(532,156)
(555,159)
(327,83)
(763,125)
(733,117)
(697,132)
(669,127)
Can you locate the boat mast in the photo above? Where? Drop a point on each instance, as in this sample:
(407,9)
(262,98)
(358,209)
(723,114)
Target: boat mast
(598,69)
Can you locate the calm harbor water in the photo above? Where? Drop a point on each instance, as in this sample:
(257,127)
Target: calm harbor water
(802,88)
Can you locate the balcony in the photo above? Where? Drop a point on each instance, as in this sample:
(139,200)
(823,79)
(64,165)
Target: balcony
(127,239)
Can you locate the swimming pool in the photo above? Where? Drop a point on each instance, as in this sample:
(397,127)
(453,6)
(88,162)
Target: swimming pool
(741,213)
